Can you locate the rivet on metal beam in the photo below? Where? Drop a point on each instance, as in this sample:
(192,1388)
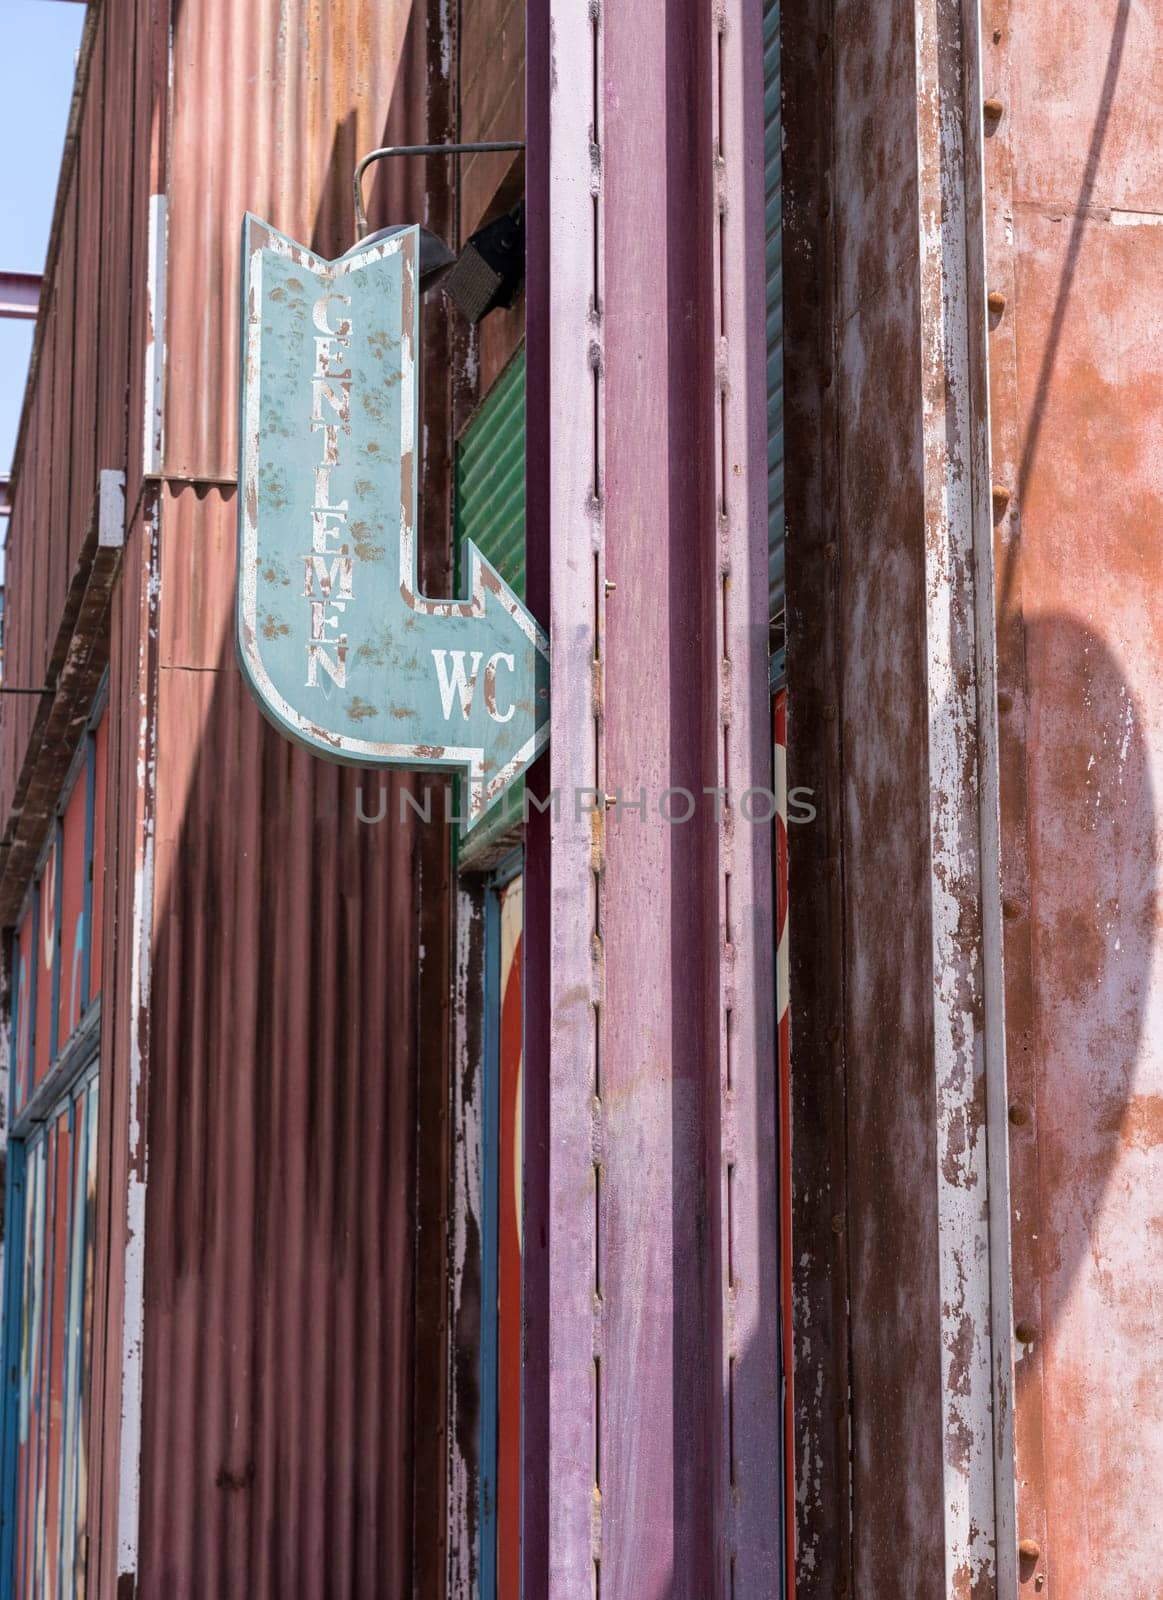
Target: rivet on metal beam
(996,301)
(1026,1332)
(1011,910)
(1019,1114)
(993,109)
(1029,1549)
(1001,498)
(1005,702)
(610,585)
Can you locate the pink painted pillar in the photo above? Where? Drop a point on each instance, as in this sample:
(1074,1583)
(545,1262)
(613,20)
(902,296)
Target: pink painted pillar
(660,1055)
(662,1284)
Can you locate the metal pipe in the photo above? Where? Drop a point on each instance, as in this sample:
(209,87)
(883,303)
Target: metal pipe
(417,150)
(20,294)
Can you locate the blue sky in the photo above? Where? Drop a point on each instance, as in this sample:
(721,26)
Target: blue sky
(38,46)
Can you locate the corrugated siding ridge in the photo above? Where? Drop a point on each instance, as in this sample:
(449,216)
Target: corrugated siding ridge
(490,477)
(773,226)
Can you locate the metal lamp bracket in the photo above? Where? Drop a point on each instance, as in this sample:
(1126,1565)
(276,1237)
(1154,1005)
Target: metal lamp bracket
(417,150)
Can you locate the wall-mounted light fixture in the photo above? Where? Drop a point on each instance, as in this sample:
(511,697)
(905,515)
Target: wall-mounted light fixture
(491,267)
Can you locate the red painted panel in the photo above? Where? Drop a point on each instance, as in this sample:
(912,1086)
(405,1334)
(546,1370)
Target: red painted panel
(510,1222)
(46,958)
(74,935)
(22,1044)
(100,778)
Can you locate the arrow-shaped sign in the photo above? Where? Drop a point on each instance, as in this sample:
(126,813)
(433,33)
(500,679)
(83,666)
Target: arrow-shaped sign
(337,644)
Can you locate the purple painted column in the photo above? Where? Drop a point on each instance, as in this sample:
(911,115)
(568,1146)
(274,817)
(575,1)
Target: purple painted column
(662,1381)
(660,927)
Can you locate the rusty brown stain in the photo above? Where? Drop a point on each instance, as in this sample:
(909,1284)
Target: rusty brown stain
(363,541)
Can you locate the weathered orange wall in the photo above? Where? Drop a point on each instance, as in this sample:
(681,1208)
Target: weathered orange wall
(1074,199)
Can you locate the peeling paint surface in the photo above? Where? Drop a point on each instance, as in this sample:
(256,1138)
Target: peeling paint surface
(1076,388)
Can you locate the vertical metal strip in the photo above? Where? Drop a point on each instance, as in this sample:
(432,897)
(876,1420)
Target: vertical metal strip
(68,1397)
(87,891)
(490,1132)
(58,871)
(43,1386)
(153,436)
(749,1190)
(989,822)
(968,1026)
(10,1343)
(464,1266)
(33,986)
(576,597)
(141,935)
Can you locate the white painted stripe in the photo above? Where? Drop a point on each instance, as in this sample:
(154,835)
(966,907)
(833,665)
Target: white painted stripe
(153,429)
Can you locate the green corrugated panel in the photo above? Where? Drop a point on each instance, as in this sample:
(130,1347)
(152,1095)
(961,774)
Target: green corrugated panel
(772,131)
(489,504)
(489,508)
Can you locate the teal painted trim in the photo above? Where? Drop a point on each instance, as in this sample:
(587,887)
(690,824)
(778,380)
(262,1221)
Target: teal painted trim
(14,1220)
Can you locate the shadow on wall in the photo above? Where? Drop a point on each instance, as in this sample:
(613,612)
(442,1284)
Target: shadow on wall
(1088,1176)
(1093,854)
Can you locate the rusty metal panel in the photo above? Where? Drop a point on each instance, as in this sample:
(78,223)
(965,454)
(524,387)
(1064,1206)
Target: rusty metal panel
(1075,254)
(298,94)
(277,1453)
(281,1104)
(492,105)
(817,1090)
(888,392)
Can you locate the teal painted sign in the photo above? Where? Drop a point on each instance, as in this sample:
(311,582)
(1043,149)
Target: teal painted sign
(342,652)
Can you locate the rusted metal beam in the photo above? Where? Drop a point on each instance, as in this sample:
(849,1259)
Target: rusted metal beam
(920,998)
(20,295)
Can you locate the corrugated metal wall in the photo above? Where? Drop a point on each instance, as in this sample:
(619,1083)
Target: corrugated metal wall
(278,1384)
(278,1318)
